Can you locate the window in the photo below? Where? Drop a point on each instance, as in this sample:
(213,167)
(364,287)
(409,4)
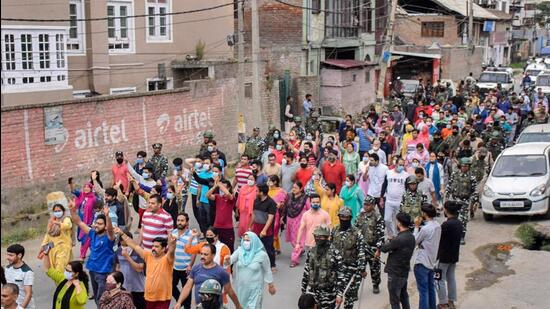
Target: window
(433,29)
(44,50)
(367,76)
(529,6)
(158,23)
(34,58)
(315,6)
(154,84)
(248,90)
(119,26)
(26,51)
(528,21)
(75,40)
(114,91)
(9,52)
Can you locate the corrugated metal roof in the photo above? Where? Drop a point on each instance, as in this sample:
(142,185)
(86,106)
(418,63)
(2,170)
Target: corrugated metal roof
(422,55)
(345,63)
(459,6)
(500,14)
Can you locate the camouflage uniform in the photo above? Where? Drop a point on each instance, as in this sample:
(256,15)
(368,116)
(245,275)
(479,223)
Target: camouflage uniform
(300,131)
(371,226)
(320,273)
(349,249)
(312,124)
(254,146)
(160,164)
(462,187)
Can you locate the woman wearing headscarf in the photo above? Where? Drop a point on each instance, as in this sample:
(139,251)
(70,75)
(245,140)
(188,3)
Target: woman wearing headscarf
(85,201)
(58,238)
(245,204)
(115,297)
(296,205)
(353,196)
(279,196)
(252,271)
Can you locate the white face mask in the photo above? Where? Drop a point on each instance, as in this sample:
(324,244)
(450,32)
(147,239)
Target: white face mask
(349,183)
(250,182)
(246,245)
(206,166)
(68,275)
(58,214)
(284,161)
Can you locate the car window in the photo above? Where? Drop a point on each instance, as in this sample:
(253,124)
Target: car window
(493,78)
(520,166)
(534,138)
(543,81)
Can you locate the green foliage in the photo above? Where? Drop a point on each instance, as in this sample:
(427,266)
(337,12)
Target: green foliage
(545,247)
(517,65)
(9,238)
(199,49)
(542,16)
(527,234)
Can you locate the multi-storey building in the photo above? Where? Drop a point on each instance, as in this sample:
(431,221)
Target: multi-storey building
(57,50)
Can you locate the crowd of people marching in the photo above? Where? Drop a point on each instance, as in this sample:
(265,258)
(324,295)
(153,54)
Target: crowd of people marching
(376,186)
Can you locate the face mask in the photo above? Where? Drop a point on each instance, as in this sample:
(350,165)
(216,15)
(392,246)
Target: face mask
(365,159)
(303,165)
(415,164)
(206,166)
(455,132)
(399,168)
(145,175)
(58,214)
(270,183)
(210,240)
(276,135)
(349,183)
(345,224)
(250,182)
(119,160)
(68,275)
(322,242)
(169,195)
(110,286)
(315,206)
(215,174)
(482,157)
(448,127)
(246,245)
(279,147)
(210,148)
(138,160)
(283,161)
(309,137)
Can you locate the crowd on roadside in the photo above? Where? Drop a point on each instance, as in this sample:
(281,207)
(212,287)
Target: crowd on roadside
(339,198)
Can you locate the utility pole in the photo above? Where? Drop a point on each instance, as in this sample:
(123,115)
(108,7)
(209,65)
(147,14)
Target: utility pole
(386,53)
(256,99)
(470,23)
(240,75)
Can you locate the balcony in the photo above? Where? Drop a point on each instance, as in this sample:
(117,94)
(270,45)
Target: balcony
(348,18)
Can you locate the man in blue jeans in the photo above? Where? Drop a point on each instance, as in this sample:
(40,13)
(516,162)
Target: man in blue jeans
(427,233)
(102,240)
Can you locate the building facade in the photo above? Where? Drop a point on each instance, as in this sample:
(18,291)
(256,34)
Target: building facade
(105,47)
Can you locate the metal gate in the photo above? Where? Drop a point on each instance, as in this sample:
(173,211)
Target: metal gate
(284,92)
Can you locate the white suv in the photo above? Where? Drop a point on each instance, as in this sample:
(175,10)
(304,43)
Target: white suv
(519,182)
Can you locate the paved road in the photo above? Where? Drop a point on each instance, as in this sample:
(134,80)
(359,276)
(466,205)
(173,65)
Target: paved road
(287,279)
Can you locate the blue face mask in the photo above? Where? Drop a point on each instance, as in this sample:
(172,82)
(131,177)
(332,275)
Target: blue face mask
(139,160)
(315,206)
(169,195)
(177,167)
(399,168)
(145,175)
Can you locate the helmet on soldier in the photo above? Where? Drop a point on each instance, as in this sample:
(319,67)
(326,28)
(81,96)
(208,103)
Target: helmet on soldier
(322,230)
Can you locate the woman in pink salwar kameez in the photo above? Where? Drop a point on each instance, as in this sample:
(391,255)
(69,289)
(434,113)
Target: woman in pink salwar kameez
(245,205)
(296,205)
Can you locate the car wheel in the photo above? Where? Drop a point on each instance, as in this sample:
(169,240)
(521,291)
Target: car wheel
(488,217)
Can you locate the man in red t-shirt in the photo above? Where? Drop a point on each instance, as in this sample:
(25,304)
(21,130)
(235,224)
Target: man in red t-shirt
(334,171)
(221,194)
(304,173)
(120,171)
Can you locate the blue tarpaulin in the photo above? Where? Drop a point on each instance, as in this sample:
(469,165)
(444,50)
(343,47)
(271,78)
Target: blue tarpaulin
(545,51)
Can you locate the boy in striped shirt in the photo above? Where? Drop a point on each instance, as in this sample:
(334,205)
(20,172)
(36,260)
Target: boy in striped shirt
(242,172)
(184,261)
(156,222)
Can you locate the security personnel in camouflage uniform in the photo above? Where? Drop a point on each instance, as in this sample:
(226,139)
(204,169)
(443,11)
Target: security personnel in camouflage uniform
(320,270)
(412,199)
(371,224)
(312,123)
(208,136)
(159,162)
(494,146)
(349,250)
(254,145)
(462,188)
(211,295)
(300,131)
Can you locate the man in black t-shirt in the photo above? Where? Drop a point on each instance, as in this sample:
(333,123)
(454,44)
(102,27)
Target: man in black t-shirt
(263,216)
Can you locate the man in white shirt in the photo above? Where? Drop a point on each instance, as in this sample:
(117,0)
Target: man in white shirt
(425,186)
(392,193)
(376,150)
(377,175)
(20,274)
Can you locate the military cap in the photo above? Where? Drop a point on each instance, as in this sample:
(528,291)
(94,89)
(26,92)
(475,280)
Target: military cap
(208,134)
(369,200)
(344,212)
(465,161)
(411,179)
(157,145)
(321,230)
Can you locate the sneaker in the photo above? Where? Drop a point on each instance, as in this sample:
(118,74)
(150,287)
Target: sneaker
(277,252)
(375,289)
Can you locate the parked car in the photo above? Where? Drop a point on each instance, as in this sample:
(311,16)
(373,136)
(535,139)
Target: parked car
(534,70)
(409,87)
(543,82)
(519,182)
(489,79)
(535,133)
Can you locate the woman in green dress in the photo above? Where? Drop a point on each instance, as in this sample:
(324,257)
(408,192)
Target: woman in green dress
(72,285)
